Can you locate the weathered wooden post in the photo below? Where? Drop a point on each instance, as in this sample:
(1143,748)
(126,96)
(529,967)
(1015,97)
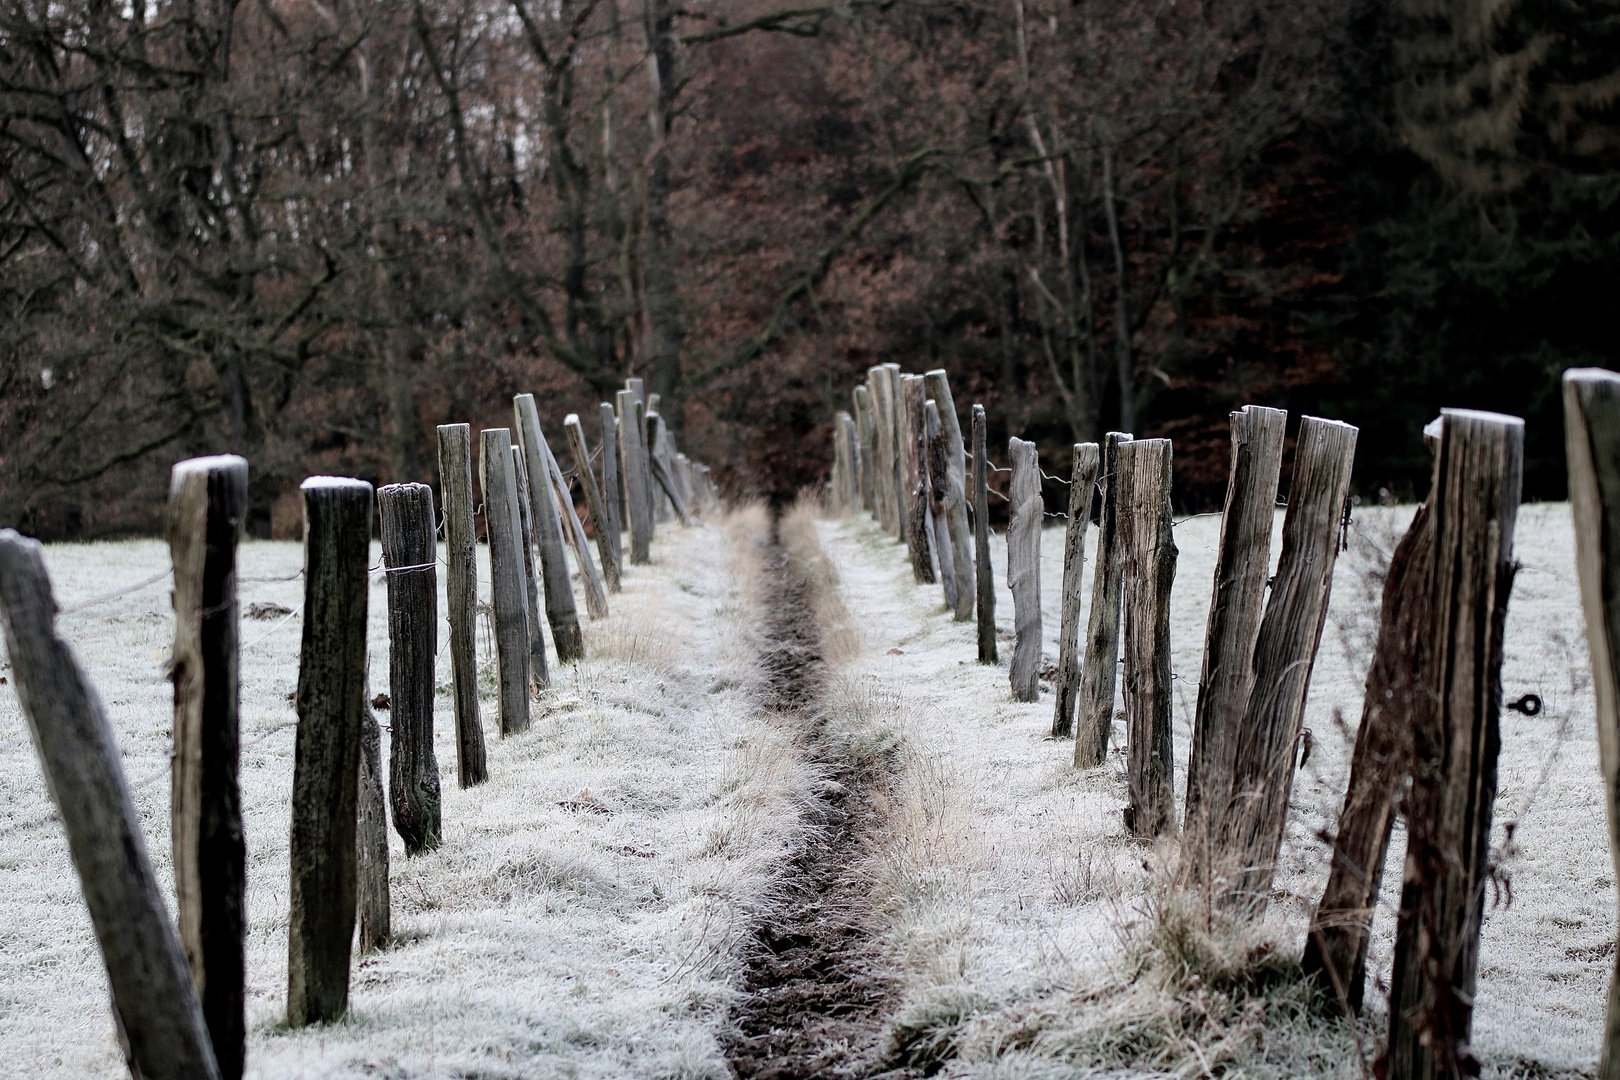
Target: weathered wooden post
(1242,561)
(843,466)
(1265,743)
(508,599)
(1455,741)
(611,488)
(1592,443)
(594,503)
(939,493)
(539,671)
(661,472)
(1024,569)
(155,1006)
(863,443)
(371,839)
(882,464)
(898,427)
(638,397)
(326,753)
(983,578)
(595,593)
(561,611)
(1082,480)
(914,482)
(1148,556)
(207,504)
(461,592)
(1094,719)
(683,480)
(638,504)
(939,388)
(413,643)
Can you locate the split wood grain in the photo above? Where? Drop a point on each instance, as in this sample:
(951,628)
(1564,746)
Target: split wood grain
(914,453)
(1024,569)
(1094,714)
(595,505)
(372,906)
(612,497)
(1065,688)
(882,461)
(461,594)
(983,579)
(561,611)
(508,598)
(539,670)
(956,509)
(411,566)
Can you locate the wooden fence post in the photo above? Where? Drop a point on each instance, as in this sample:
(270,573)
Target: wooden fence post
(1024,569)
(897,438)
(1082,481)
(877,379)
(844,453)
(939,388)
(594,503)
(1242,561)
(914,482)
(326,762)
(1265,743)
(371,839)
(939,491)
(461,592)
(561,611)
(507,594)
(611,489)
(413,643)
(1592,443)
(574,533)
(637,503)
(683,480)
(657,433)
(1094,719)
(539,671)
(1148,554)
(863,440)
(983,579)
(1455,741)
(154,1004)
(638,397)
(207,504)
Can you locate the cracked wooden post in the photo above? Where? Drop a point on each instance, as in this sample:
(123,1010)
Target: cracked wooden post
(1094,715)
(508,598)
(1082,480)
(594,503)
(939,388)
(1148,570)
(326,754)
(1455,742)
(1592,444)
(561,612)
(638,505)
(574,533)
(461,593)
(371,839)
(207,504)
(611,490)
(914,482)
(539,671)
(983,579)
(1024,569)
(411,566)
(160,1023)
(939,490)
(1242,561)
(1250,831)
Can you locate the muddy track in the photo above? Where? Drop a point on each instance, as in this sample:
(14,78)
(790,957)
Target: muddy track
(816,998)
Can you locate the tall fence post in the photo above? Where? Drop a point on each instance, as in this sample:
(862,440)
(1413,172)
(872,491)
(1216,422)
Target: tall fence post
(1148,553)
(649,495)
(897,436)
(637,502)
(610,490)
(155,1006)
(878,412)
(1082,481)
(1094,719)
(508,598)
(409,559)
(1592,443)
(984,580)
(852,450)
(1265,743)
(939,388)
(1455,742)
(594,502)
(913,444)
(939,493)
(841,469)
(1024,569)
(207,504)
(461,593)
(326,753)
(1242,560)
(561,612)
(539,672)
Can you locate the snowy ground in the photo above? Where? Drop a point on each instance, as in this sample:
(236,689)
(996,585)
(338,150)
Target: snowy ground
(538,940)
(1009,882)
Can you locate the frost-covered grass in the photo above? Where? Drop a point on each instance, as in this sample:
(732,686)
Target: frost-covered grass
(1034,938)
(538,940)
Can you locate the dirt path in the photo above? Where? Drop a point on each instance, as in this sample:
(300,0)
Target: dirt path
(817,997)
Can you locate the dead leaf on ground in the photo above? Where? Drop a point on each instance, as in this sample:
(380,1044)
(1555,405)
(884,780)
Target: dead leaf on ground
(265,609)
(381,701)
(897,652)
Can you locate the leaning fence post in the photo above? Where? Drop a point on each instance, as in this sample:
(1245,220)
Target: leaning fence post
(1082,479)
(1250,831)
(939,492)
(409,559)
(1242,560)
(154,1003)
(461,592)
(939,388)
(611,488)
(574,533)
(507,596)
(1148,555)
(1455,741)
(1024,569)
(1094,719)
(914,483)
(661,471)
(593,499)
(1592,438)
(983,579)
(539,671)
(561,612)
(326,765)
(207,504)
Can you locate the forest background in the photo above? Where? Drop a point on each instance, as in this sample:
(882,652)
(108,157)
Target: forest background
(307,231)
